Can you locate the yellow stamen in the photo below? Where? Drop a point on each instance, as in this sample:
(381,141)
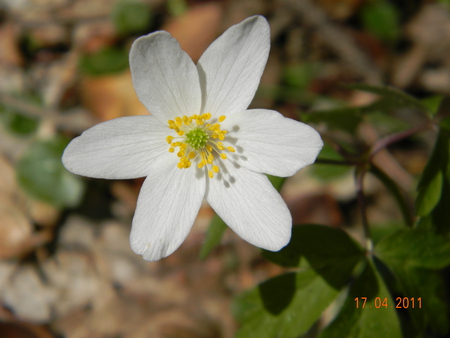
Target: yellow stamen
(198,140)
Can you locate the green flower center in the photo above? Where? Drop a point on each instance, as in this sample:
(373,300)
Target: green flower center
(197,138)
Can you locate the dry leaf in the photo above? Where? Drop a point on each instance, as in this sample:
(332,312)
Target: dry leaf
(111,96)
(197,28)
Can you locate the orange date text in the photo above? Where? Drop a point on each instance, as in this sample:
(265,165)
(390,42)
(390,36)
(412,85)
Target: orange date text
(378,302)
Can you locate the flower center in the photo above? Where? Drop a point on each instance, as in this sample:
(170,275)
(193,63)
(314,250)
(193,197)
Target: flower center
(198,140)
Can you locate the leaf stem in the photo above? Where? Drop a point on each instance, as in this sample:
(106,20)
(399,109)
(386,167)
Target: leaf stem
(335,162)
(359,184)
(391,139)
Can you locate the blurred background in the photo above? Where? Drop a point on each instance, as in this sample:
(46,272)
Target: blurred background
(66,268)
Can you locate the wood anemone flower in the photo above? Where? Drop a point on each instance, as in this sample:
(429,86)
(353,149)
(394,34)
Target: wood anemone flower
(200,141)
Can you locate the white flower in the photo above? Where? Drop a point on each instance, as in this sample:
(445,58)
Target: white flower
(200,142)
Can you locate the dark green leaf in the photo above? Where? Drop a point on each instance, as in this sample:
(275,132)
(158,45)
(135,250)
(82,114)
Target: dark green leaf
(216,229)
(385,124)
(412,255)
(440,215)
(432,308)
(381,19)
(106,61)
(372,320)
(340,118)
(391,98)
(300,75)
(331,252)
(433,103)
(429,195)
(414,248)
(16,122)
(396,193)
(131,17)
(284,306)
(328,172)
(438,161)
(276,181)
(42,175)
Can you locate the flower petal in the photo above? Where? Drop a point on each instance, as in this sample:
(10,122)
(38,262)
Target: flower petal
(166,209)
(249,204)
(267,142)
(231,68)
(126,147)
(164,77)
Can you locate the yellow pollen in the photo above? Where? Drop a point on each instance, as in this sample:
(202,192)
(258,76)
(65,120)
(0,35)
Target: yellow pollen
(198,140)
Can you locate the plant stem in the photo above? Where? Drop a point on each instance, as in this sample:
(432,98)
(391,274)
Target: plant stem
(388,140)
(359,183)
(334,162)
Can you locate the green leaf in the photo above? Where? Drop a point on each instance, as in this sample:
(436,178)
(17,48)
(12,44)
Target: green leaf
(284,306)
(17,123)
(276,181)
(432,308)
(330,251)
(384,123)
(130,17)
(176,7)
(300,75)
(440,215)
(392,98)
(412,255)
(414,248)
(376,319)
(109,60)
(438,161)
(338,118)
(396,193)
(329,172)
(42,175)
(217,226)
(433,103)
(381,19)
(429,195)
(216,229)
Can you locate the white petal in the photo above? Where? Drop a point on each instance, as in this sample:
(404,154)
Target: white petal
(267,142)
(166,209)
(249,204)
(231,67)
(126,147)
(164,76)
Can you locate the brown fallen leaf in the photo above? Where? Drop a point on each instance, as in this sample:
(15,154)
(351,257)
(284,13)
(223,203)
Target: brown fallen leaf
(197,28)
(112,96)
